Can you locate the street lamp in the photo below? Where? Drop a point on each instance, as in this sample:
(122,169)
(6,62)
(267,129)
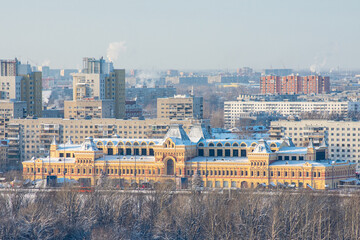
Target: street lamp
(206,173)
(135,171)
(64,163)
(119,172)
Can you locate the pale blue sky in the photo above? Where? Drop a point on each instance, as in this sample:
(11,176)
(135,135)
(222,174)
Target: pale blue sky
(186,34)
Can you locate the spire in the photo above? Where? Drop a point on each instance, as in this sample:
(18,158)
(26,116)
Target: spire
(89,145)
(288,141)
(311,144)
(54,141)
(323,144)
(69,141)
(262,147)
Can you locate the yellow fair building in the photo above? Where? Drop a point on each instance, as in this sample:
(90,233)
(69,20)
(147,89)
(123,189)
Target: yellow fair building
(181,157)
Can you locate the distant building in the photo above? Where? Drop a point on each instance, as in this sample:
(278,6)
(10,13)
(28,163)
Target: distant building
(9,67)
(244,71)
(94,82)
(98,66)
(26,87)
(278,72)
(132,109)
(180,107)
(8,111)
(172,73)
(294,84)
(194,80)
(5,163)
(88,109)
(146,95)
(53,113)
(234,109)
(342,137)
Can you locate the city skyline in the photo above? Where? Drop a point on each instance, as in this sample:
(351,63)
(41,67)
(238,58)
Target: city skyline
(201,35)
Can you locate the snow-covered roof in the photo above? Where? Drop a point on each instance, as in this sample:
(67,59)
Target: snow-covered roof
(126,158)
(89,145)
(311,144)
(293,150)
(219,159)
(262,147)
(178,135)
(127,141)
(53,160)
(198,132)
(323,163)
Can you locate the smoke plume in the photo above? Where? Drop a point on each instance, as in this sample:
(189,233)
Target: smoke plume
(115,49)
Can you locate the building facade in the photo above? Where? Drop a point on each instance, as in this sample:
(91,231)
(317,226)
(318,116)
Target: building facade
(21,85)
(32,137)
(342,137)
(8,111)
(146,95)
(180,107)
(83,109)
(31,93)
(294,84)
(97,83)
(216,163)
(234,109)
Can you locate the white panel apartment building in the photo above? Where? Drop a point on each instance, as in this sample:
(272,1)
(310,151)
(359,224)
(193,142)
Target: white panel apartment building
(342,137)
(234,109)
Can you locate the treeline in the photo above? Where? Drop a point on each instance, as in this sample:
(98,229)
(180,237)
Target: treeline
(163,215)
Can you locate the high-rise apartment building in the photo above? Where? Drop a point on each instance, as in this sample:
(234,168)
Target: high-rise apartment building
(180,107)
(9,67)
(31,93)
(94,82)
(293,84)
(21,87)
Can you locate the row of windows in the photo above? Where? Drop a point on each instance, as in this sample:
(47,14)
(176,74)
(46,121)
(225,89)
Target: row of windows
(252,173)
(98,171)
(189,172)
(127,151)
(223,153)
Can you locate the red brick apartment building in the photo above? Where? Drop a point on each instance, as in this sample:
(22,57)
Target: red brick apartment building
(293,84)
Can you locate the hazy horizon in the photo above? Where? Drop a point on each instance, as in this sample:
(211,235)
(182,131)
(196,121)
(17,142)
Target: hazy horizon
(201,34)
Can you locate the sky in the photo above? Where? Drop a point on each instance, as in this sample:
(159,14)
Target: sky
(183,34)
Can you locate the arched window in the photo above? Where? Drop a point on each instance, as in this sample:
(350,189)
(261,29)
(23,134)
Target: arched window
(110,144)
(253,144)
(143,144)
(128,143)
(227,144)
(243,145)
(136,144)
(219,145)
(211,144)
(200,145)
(235,144)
